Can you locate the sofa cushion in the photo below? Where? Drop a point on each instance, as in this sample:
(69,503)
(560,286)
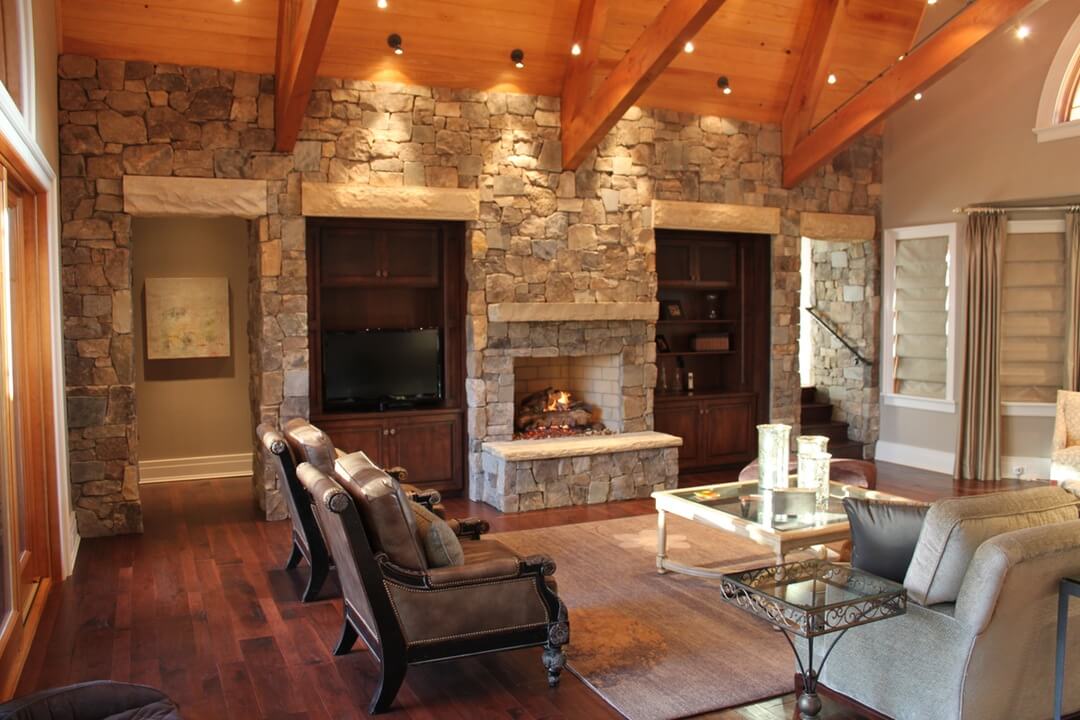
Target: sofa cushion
(955,528)
(388,520)
(884,535)
(441,546)
(310,444)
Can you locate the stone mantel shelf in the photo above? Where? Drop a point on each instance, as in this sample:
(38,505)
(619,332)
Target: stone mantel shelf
(554,448)
(572,312)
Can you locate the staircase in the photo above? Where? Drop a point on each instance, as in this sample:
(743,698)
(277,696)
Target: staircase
(816,419)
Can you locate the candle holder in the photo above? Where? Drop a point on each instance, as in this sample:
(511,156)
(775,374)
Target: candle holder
(813,475)
(773,452)
(810,444)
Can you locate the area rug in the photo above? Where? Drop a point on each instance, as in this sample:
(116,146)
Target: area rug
(655,646)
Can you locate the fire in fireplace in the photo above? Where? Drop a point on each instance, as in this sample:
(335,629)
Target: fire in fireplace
(552,412)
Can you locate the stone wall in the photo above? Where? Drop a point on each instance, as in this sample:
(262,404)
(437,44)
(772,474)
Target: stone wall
(847,293)
(543,234)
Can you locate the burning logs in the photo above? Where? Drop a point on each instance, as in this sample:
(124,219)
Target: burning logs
(551,408)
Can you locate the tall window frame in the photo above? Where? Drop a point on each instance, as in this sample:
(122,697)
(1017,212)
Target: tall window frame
(1055,119)
(888,330)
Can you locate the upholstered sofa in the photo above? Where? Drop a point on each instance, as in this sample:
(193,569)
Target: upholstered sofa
(978,639)
(1065,453)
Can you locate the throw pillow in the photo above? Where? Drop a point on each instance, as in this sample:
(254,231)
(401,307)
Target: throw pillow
(441,545)
(884,535)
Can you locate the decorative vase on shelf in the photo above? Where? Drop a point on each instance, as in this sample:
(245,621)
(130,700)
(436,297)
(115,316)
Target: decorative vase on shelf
(773,452)
(712,303)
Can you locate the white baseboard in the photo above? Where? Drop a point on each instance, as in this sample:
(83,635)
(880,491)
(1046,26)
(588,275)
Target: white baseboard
(195,468)
(1035,468)
(916,457)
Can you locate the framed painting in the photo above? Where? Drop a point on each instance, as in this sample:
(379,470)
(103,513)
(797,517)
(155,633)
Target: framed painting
(187,318)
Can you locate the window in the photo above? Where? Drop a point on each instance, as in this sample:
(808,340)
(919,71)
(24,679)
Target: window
(918,317)
(12,61)
(1059,105)
(1033,312)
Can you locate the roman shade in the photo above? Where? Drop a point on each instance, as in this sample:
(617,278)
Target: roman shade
(1033,317)
(920,309)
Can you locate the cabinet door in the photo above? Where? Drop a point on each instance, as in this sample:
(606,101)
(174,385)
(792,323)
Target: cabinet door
(348,254)
(367,436)
(682,420)
(717,262)
(727,429)
(412,255)
(430,449)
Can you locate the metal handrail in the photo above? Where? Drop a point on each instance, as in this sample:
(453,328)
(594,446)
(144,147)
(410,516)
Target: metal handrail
(832,331)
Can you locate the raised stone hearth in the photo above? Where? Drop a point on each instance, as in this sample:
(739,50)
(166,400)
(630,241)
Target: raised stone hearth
(534,474)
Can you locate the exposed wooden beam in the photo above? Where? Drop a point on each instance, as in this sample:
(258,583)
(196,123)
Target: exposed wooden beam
(897,85)
(303,27)
(811,74)
(653,51)
(588,32)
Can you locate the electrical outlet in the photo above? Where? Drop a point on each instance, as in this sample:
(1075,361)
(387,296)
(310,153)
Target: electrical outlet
(1018,472)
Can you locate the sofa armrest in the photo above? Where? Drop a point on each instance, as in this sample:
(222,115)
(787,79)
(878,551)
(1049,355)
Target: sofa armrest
(491,570)
(469,527)
(398,473)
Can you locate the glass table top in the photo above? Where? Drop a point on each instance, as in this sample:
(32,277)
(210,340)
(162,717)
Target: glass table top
(783,510)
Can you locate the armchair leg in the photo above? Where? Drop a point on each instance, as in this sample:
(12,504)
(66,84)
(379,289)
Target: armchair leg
(294,557)
(558,635)
(320,568)
(391,675)
(347,640)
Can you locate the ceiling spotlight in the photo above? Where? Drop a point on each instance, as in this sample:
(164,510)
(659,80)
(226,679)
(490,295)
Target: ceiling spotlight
(724,85)
(688,47)
(1023,32)
(831,79)
(901,57)
(918,96)
(517,56)
(575,49)
(931,2)
(394,41)
(381,4)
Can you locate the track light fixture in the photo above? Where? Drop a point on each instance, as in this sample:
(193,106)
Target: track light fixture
(688,47)
(575,49)
(517,56)
(394,41)
(724,84)
(381,4)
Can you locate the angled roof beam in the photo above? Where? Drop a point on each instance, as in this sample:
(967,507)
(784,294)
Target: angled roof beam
(811,73)
(303,27)
(658,45)
(588,32)
(922,66)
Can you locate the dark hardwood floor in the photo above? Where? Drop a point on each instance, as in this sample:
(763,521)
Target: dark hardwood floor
(200,607)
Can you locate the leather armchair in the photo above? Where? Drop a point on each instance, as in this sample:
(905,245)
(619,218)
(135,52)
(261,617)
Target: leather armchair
(95,700)
(408,612)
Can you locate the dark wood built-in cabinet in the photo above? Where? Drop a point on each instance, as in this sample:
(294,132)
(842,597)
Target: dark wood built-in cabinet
(393,275)
(714,292)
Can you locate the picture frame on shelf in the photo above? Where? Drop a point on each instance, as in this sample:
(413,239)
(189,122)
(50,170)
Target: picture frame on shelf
(662,344)
(672,310)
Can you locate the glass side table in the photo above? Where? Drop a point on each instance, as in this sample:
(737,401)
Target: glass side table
(811,599)
(1070,588)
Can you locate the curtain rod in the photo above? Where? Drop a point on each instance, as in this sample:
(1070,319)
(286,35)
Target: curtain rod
(1018,208)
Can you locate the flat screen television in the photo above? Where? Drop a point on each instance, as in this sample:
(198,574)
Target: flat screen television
(382,369)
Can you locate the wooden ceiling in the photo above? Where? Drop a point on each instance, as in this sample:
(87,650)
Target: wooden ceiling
(467,43)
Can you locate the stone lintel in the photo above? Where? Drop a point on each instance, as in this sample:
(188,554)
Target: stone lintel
(715,217)
(406,203)
(554,448)
(150,196)
(571,312)
(837,226)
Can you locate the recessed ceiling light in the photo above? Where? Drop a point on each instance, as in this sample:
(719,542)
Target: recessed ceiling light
(931,2)
(688,47)
(1023,32)
(831,79)
(517,56)
(918,96)
(575,49)
(381,4)
(901,57)
(724,84)
(394,41)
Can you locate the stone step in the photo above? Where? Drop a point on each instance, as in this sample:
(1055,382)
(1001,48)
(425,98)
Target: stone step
(847,449)
(811,413)
(836,431)
(808,395)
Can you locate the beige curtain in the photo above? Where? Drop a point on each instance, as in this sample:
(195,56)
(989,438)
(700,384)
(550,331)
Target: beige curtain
(978,446)
(1072,299)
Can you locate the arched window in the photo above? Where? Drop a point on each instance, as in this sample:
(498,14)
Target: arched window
(1059,105)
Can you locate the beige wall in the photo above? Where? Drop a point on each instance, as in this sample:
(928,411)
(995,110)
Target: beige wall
(197,407)
(970,141)
(45,51)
